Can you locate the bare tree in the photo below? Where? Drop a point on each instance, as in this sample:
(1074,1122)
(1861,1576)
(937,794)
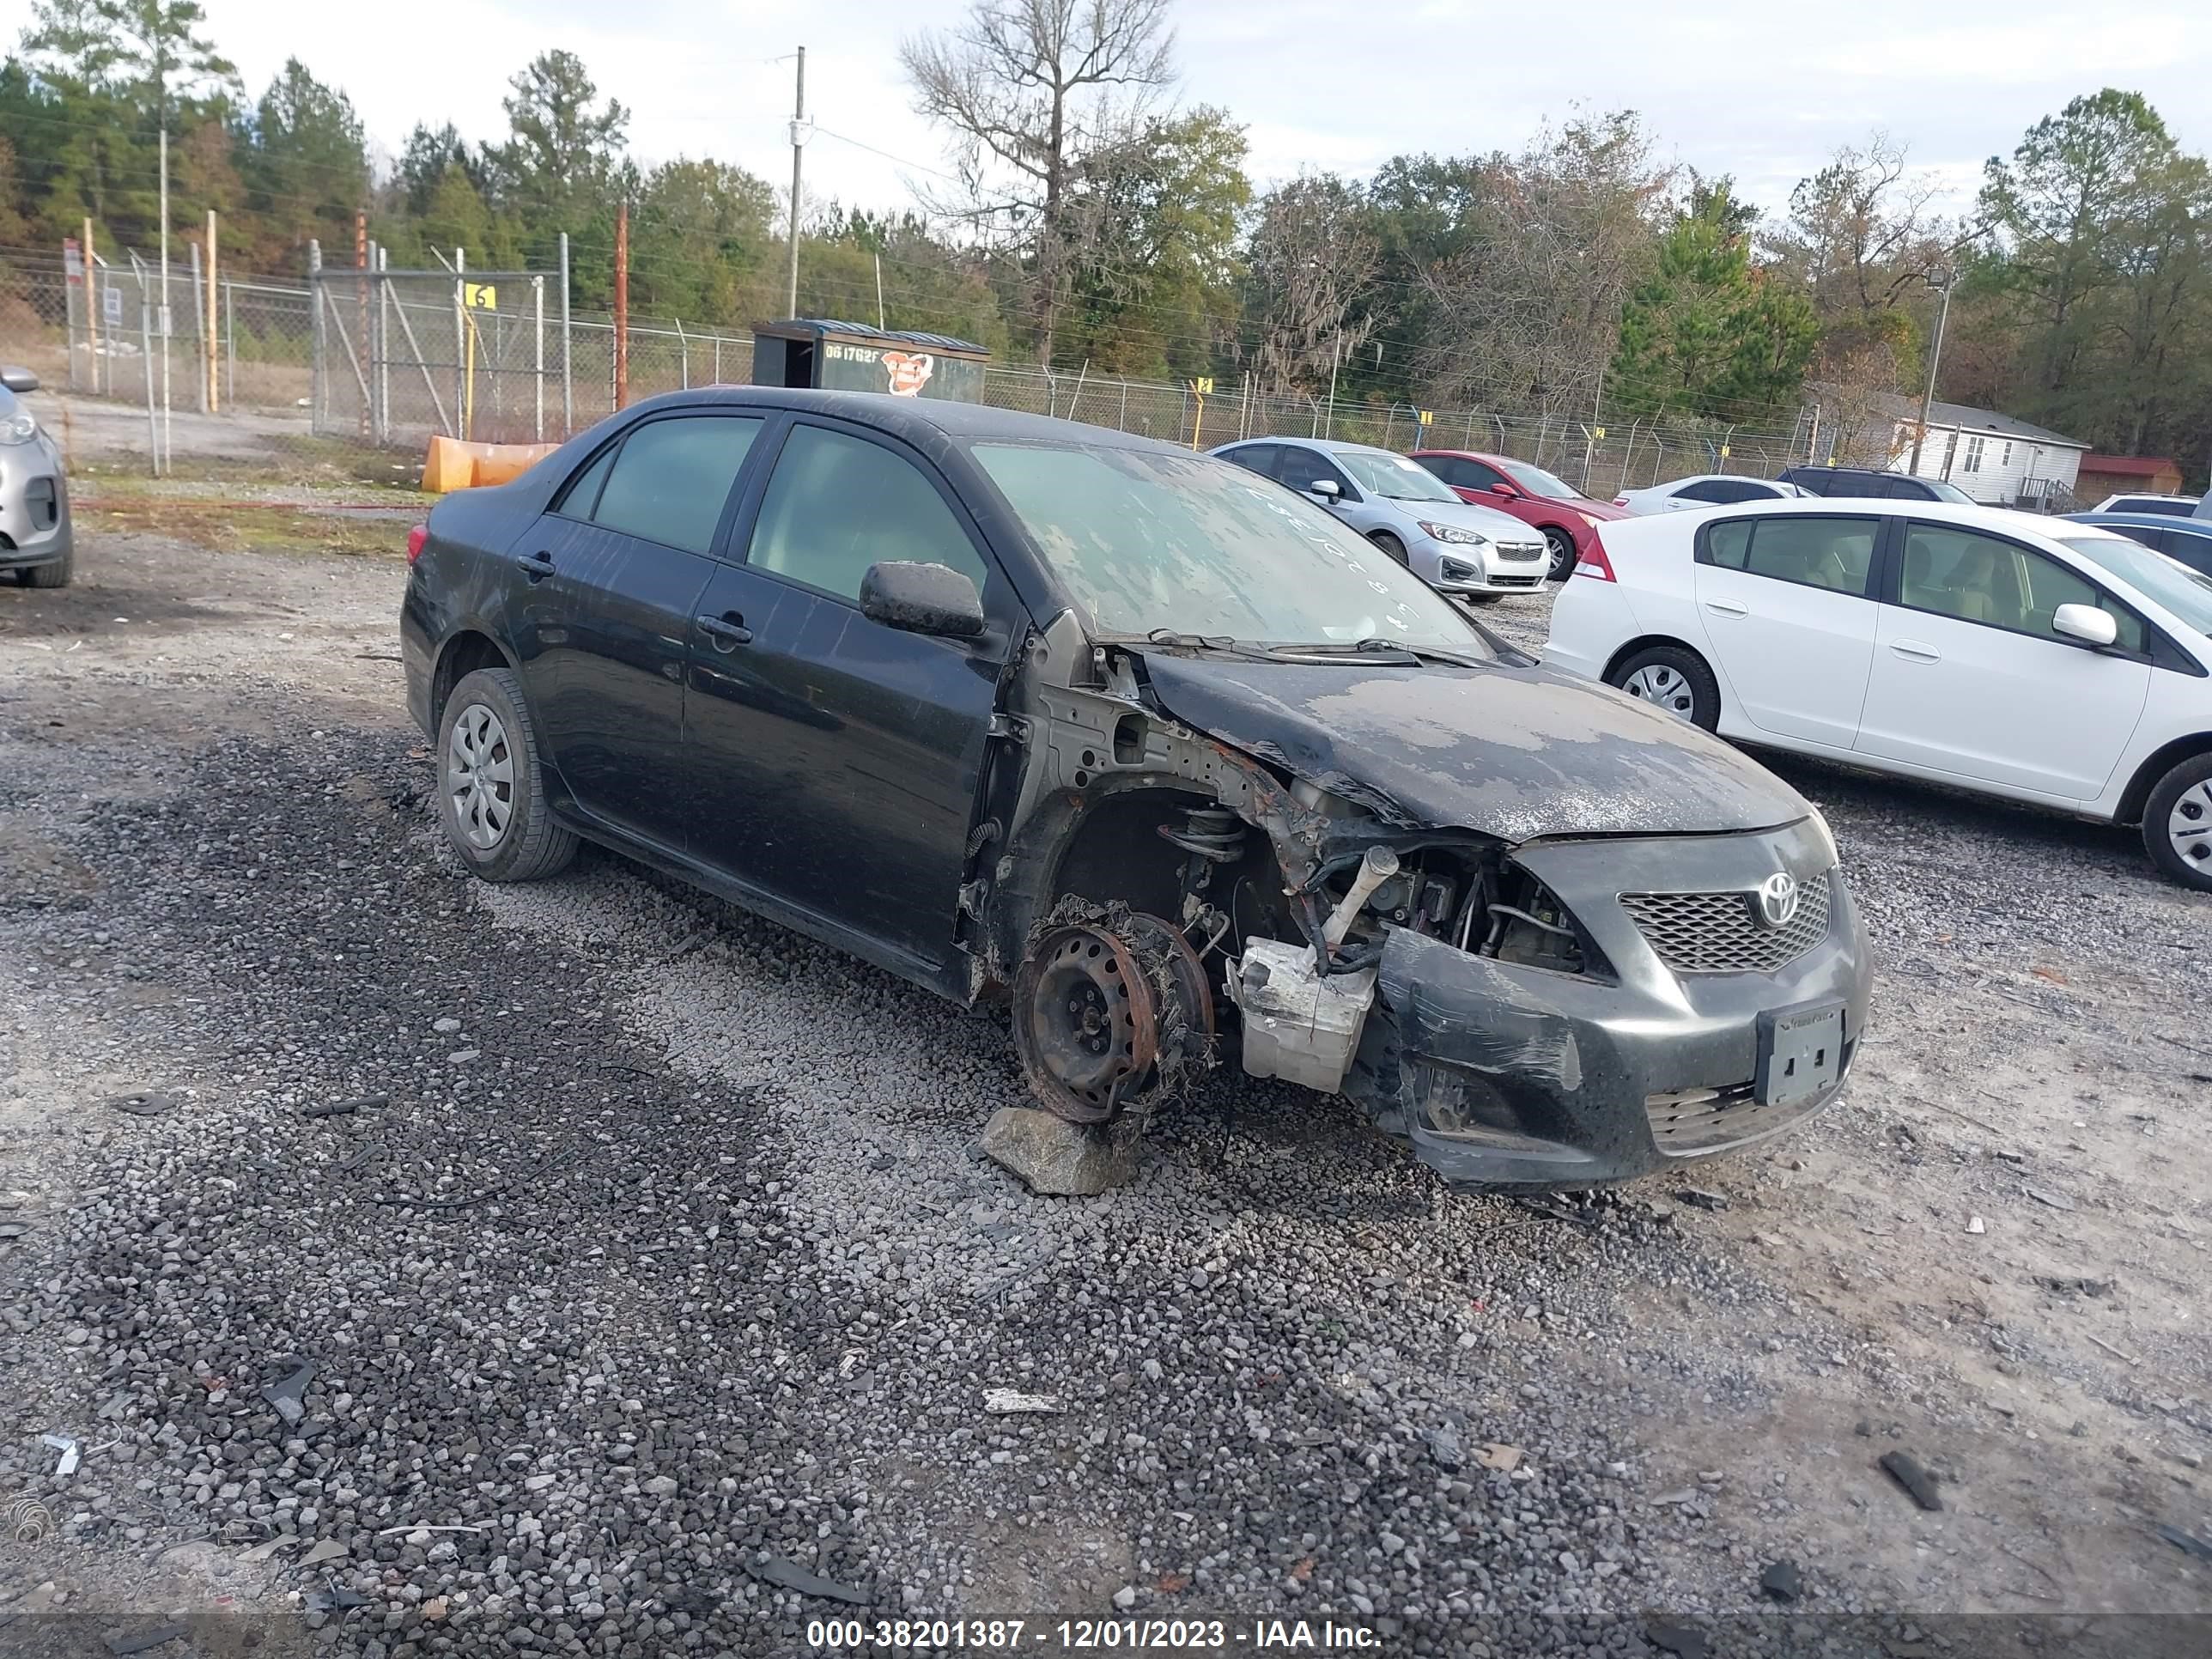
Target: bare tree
(1312,256)
(1040,96)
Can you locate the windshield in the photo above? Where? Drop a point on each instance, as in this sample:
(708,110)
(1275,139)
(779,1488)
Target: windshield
(1948,492)
(1393,476)
(2169,582)
(1535,481)
(1197,546)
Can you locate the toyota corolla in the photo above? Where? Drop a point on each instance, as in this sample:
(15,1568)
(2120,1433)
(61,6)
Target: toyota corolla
(1151,751)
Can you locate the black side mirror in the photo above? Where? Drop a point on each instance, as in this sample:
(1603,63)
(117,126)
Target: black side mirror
(18,380)
(921,598)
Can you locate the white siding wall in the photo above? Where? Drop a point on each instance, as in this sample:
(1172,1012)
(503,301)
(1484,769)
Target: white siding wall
(1998,481)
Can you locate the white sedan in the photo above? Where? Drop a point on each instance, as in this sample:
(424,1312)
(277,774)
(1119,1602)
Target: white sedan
(2020,656)
(1703,490)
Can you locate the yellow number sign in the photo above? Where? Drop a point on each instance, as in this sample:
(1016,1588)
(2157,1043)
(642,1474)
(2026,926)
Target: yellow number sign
(479,296)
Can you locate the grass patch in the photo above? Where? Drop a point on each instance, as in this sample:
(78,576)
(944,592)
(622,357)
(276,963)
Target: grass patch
(232,529)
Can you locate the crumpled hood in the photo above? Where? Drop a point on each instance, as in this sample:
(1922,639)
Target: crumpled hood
(1512,752)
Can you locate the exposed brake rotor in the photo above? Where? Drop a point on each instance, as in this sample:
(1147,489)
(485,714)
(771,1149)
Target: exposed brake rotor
(1106,1012)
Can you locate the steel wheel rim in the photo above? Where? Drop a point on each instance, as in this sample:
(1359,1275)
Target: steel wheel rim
(480,777)
(1657,683)
(2190,824)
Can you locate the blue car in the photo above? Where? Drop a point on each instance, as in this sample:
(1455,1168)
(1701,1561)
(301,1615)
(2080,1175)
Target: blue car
(2189,540)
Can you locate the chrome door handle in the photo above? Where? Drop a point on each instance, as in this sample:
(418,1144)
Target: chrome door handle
(1913,651)
(725,631)
(1727,607)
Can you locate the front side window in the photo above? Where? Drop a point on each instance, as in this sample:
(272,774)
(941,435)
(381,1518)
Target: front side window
(837,504)
(1975,578)
(1706,489)
(1302,469)
(670,479)
(2181,588)
(1535,481)
(1837,554)
(1143,541)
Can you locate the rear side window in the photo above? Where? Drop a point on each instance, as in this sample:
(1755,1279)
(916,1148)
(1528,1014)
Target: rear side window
(671,479)
(1256,458)
(838,504)
(1459,474)
(1836,554)
(1706,489)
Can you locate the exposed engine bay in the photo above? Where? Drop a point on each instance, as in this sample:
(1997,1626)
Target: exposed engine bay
(1165,900)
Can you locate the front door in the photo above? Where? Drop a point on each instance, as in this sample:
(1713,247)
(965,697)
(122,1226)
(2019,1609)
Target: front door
(1784,601)
(610,580)
(1970,677)
(834,762)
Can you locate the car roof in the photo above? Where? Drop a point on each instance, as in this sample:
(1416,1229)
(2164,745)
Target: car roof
(2145,520)
(2004,519)
(912,417)
(1338,446)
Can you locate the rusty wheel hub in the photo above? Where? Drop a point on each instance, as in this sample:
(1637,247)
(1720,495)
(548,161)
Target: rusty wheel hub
(1083,1023)
(1106,1012)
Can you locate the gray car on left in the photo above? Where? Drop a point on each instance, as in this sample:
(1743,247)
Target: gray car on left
(34,515)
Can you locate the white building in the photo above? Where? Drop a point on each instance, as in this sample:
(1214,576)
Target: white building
(1997,460)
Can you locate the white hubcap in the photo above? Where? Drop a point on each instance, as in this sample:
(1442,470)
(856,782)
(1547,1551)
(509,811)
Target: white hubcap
(480,777)
(2190,824)
(1657,682)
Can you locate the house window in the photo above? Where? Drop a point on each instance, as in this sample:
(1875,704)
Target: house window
(2006,459)
(1973,461)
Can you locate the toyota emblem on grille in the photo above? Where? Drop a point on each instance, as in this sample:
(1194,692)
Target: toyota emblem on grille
(1775,901)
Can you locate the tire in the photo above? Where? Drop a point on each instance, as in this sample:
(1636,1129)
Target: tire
(1389,543)
(1482,598)
(2177,822)
(491,790)
(1563,553)
(1675,678)
(55,573)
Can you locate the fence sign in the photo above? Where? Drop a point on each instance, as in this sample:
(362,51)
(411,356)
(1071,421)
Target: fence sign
(110,302)
(480,296)
(1203,386)
(1428,417)
(72,260)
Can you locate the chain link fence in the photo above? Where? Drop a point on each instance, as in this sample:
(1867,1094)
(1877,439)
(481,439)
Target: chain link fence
(357,367)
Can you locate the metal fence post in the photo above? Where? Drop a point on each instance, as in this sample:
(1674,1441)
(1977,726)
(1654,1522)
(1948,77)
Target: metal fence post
(199,310)
(567,385)
(146,361)
(230,345)
(537,379)
(319,387)
(383,344)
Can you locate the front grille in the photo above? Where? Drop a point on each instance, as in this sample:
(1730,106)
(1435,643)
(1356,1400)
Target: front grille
(1698,1121)
(1521,552)
(1722,933)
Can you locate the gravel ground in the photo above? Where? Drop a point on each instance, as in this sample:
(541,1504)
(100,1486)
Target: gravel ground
(655,1260)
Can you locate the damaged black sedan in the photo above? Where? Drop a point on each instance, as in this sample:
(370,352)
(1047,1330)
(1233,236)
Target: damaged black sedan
(1151,751)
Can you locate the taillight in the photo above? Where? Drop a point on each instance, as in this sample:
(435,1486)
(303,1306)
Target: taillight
(415,537)
(1594,562)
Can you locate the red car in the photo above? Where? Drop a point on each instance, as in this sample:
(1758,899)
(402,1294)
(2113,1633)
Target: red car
(1531,494)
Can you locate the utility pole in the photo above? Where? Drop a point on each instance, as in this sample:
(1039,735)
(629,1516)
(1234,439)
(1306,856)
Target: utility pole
(1334,350)
(798,150)
(621,305)
(207,323)
(1934,356)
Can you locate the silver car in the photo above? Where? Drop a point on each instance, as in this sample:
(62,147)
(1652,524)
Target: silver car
(1456,547)
(34,515)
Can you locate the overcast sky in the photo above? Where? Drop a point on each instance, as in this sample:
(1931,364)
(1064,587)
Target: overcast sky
(1726,86)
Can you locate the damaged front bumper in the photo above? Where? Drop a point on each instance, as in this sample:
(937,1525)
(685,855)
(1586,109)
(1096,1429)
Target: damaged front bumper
(1510,1077)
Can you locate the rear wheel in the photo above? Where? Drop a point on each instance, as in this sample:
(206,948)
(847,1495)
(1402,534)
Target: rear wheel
(1389,543)
(2177,822)
(1675,678)
(491,793)
(1563,552)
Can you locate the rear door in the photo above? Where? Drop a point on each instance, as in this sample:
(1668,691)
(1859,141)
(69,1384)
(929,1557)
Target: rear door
(832,763)
(1784,601)
(608,581)
(1969,677)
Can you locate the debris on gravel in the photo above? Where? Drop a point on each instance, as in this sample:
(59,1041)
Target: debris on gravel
(1908,1472)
